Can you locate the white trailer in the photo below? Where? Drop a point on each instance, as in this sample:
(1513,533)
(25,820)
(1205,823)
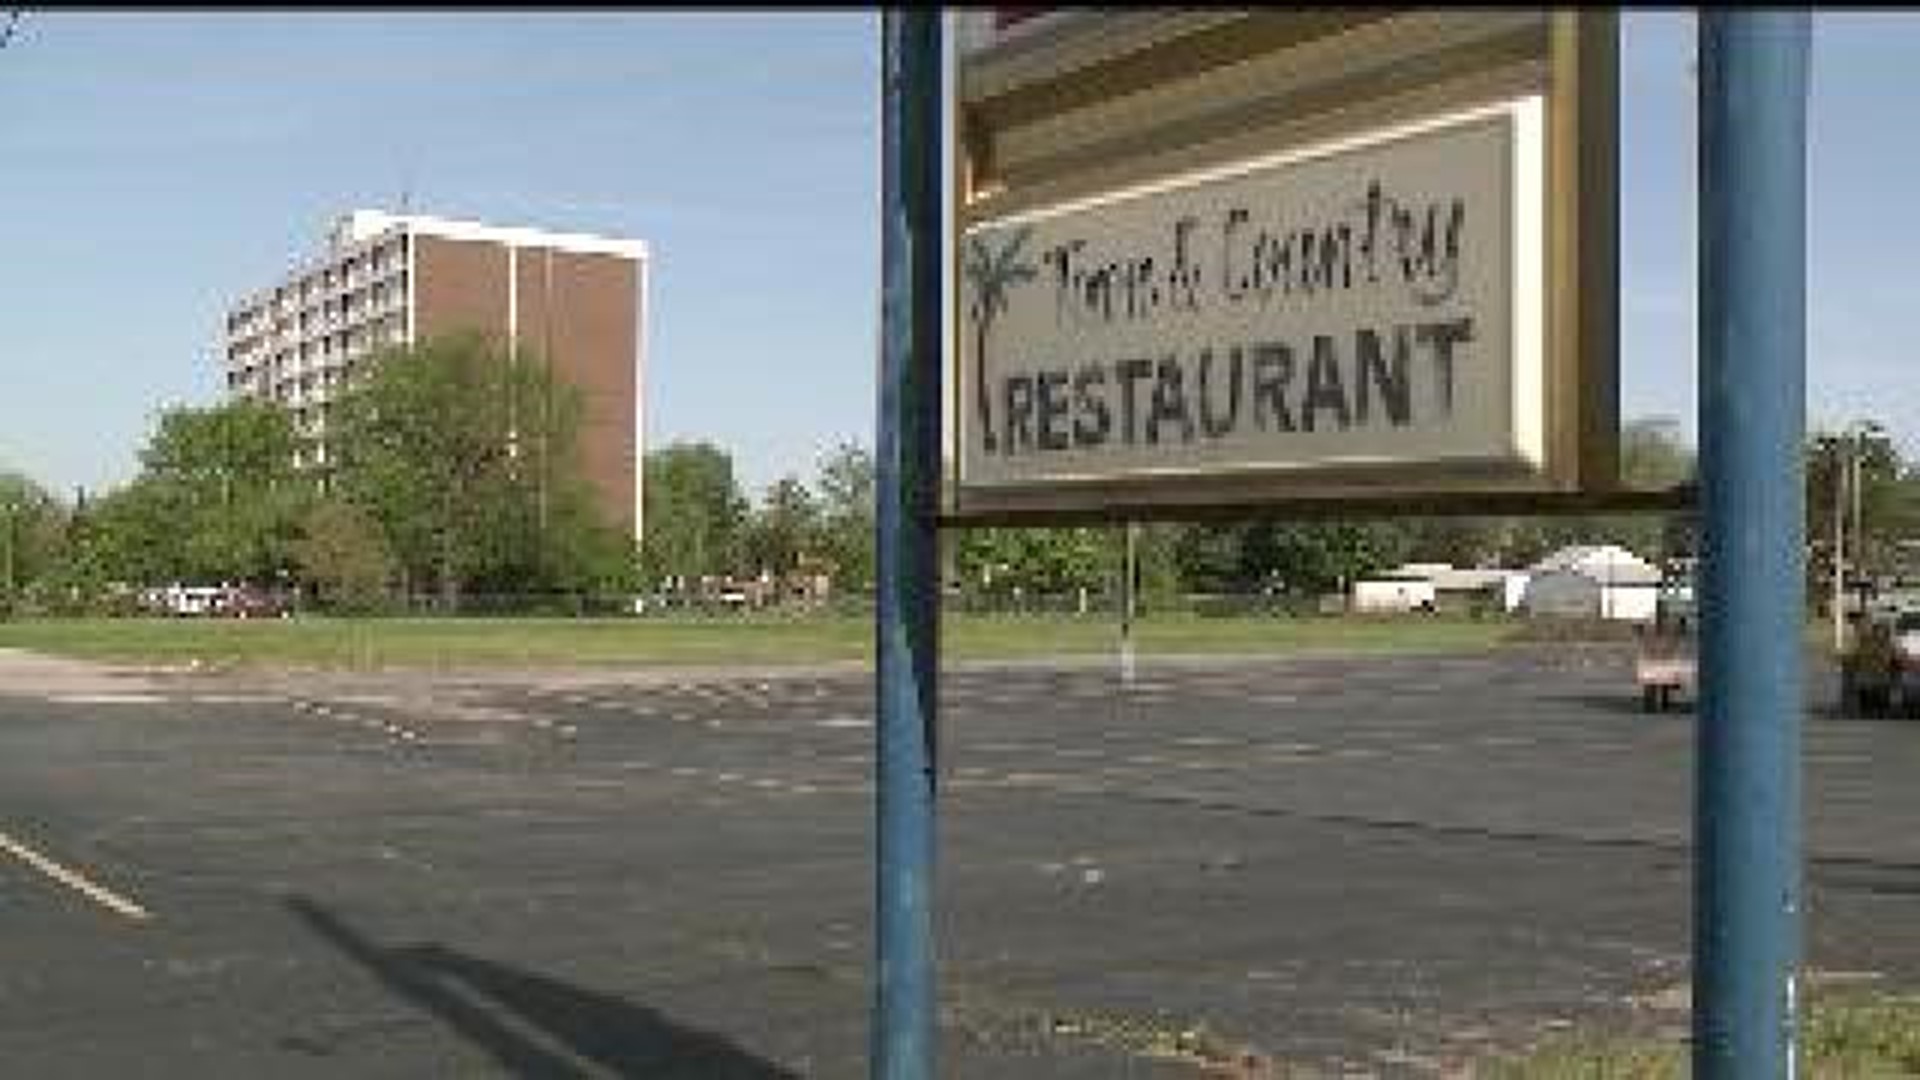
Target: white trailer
(1396,595)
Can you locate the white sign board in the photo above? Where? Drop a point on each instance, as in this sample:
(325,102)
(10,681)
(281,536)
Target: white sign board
(1366,306)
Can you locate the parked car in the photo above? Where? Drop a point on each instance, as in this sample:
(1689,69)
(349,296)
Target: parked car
(184,601)
(1881,670)
(250,602)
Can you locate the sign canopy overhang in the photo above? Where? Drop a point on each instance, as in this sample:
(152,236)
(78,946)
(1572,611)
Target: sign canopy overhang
(1224,259)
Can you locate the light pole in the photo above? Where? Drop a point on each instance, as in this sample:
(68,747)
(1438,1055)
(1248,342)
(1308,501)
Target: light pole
(6,601)
(1854,484)
(1847,474)
(1129,571)
(1838,472)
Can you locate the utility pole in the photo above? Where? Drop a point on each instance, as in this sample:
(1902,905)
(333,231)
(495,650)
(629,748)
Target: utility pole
(1839,473)
(1129,573)
(1855,478)
(6,603)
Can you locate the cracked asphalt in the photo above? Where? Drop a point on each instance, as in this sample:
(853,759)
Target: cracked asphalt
(1340,866)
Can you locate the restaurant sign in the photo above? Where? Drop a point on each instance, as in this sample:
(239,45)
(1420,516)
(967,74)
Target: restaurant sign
(1355,314)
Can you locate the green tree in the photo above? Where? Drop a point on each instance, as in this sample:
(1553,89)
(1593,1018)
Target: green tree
(78,576)
(1309,558)
(583,554)
(1207,557)
(1886,500)
(343,554)
(1898,544)
(1457,541)
(1156,560)
(32,537)
(465,452)
(134,535)
(216,499)
(1653,454)
(1300,558)
(785,528)
(1030,561)
(846,516)
(695,513)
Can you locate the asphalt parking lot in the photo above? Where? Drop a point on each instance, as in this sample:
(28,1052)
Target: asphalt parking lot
(1351,866)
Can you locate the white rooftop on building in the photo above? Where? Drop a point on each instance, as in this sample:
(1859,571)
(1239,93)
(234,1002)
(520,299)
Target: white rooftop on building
(1608,564)
(360,225)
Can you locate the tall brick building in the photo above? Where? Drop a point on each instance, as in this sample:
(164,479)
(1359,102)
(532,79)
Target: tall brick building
(576,301)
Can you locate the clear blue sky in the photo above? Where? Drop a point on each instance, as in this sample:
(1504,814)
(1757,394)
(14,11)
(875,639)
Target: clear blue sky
(153,165)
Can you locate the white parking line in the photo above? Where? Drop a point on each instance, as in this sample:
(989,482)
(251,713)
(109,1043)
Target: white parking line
(107,699)
(232,699)
(99,894)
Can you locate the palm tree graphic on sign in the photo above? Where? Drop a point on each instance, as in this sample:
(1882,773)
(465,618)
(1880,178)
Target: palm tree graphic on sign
(991,273)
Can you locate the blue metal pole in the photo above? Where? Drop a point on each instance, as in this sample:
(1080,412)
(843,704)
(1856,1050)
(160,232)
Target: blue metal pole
(1747,870)
(906,539)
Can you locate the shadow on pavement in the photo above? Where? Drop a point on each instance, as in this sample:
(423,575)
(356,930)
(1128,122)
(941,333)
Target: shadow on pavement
(629,1039)
(1831,711)
(1625,703)
(1885,879)
(1629,704)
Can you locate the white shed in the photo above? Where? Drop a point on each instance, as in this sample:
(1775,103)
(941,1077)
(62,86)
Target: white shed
(1602,581)
(1449,588)
(1392,593)
(1568,594)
